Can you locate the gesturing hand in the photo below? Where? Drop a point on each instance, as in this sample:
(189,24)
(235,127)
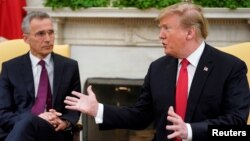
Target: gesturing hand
(179,127)
(84,103)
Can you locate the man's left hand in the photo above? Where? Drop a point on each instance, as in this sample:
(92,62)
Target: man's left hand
(179,127)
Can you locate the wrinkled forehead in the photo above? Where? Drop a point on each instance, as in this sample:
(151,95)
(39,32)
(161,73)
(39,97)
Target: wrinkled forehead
(41,24)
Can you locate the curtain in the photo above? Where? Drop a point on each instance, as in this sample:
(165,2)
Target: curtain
(11,16)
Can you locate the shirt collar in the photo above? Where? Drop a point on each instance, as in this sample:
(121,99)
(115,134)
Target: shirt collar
(35,60)
(195,56)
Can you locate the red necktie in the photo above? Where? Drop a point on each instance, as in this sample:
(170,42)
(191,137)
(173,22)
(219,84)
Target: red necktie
(43,99)
(182,90)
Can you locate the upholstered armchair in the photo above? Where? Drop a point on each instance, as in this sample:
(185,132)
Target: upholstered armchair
(13,48)
(241,50)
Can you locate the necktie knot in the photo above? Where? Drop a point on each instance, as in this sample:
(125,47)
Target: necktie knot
(184,62)
(42,63)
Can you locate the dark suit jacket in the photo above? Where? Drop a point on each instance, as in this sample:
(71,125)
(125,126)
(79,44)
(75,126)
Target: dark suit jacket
(219,95)
(17,92)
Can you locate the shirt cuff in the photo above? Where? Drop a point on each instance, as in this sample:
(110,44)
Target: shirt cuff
(190,134)
(68,124)
(99,115)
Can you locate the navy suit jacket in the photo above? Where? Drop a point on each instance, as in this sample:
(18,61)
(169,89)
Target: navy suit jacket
(219,95)
(17,92)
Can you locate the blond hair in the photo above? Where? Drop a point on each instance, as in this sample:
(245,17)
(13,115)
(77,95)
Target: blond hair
(191,16)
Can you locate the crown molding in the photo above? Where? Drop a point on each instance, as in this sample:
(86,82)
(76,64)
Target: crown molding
(113,12)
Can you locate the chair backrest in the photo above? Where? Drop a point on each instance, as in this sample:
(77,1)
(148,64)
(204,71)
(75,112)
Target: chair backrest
(13,48)
(242,51)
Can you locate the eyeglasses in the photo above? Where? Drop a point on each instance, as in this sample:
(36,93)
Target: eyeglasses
(42,34)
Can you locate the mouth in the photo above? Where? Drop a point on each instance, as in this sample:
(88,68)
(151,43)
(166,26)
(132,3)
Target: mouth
(47,46)
(164,45)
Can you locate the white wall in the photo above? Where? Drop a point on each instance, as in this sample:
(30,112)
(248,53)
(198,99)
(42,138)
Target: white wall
(125,62)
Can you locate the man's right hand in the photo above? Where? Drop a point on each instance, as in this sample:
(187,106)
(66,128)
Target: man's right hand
(84,103)
(52,116)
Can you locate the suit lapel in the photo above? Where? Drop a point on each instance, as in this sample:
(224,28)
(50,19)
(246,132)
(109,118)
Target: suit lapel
(26,72)
(58,75)
(204,67)
(168,89)
(170,82)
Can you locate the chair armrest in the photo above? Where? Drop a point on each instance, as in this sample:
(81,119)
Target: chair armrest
(78,127)
(76,131)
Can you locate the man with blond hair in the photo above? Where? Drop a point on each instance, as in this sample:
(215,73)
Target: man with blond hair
(193,86)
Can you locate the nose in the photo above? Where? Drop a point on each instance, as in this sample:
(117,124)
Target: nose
(47,37)
(161,34)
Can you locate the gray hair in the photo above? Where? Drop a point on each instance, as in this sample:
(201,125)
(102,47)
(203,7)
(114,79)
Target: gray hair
(30,16)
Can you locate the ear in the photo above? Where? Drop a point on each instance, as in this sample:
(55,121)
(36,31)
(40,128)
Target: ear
(25,38)
(190,33)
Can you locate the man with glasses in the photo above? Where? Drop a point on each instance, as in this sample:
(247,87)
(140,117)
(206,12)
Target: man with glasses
(34,85)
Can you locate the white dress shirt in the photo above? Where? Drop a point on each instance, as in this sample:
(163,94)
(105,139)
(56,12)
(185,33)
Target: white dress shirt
(193,60)
(36,69)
